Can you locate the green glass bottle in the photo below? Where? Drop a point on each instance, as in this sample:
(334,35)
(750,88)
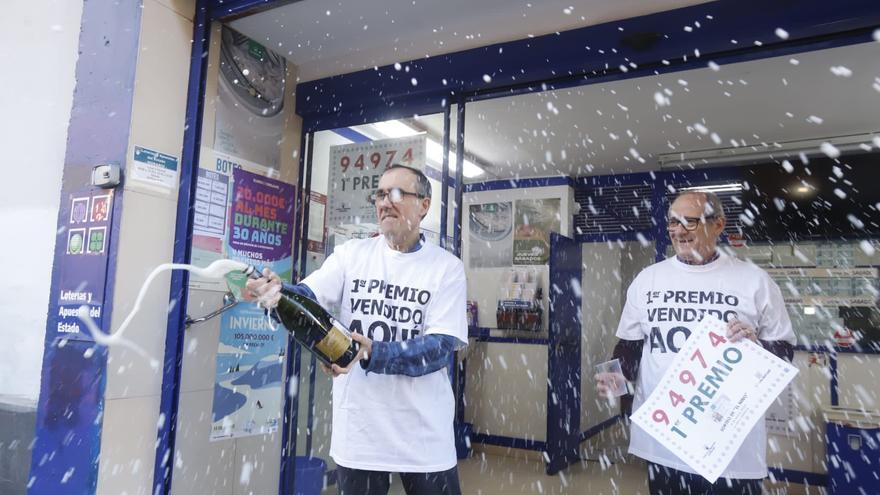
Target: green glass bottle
(313,327)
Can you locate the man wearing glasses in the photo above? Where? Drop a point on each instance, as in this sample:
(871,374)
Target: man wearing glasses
(664,302)
(404,301)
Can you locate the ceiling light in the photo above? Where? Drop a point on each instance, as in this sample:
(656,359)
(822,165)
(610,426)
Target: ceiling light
(750,154)
(732,187)
(395,129)
(434,150)
(435,154)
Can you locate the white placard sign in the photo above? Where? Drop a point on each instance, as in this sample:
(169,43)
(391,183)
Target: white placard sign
(355,170)
(711,396)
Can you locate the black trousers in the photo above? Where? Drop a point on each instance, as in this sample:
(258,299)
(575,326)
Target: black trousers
(361,482)
(663,480)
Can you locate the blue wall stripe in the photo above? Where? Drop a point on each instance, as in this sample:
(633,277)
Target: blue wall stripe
(500,185)
(616,180)
(514,340)
(594,430)
(800,477)
(228,10)
(523,443)
(624,236)
(511,442)
(66,449)
(174,336)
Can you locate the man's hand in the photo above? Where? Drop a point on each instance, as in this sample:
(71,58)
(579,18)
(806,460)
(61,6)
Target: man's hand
(737,330)
(364,352)
(265,291)
(608,383)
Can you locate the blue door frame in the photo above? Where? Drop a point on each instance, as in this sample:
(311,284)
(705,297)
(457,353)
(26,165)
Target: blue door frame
(564,354)
(653,43)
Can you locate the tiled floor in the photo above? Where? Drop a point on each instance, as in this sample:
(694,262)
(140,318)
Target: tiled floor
(495,475)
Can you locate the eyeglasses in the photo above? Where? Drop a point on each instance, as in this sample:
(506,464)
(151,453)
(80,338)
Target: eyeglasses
(395,194)
(689,223)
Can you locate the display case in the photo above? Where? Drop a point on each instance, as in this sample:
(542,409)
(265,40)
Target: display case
(830,289)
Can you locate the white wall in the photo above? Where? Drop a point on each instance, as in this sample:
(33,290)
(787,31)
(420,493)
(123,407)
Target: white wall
(38,52)
(601,307)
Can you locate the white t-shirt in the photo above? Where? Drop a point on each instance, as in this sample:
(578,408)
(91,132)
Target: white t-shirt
(664,302)
(384,422)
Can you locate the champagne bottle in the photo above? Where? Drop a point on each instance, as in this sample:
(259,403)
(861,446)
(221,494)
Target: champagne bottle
(313,327)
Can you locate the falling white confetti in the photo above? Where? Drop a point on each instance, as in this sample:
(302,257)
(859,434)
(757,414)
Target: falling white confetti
(714,66)
(830,150)
(787,166)
(661,99)
(246,469)
(867,247)
(487,78)
(855,221)
(782,33)
(839,70)
(746,219)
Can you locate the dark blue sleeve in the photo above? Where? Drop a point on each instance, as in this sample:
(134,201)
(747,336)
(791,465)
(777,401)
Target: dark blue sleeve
(629,353)
(414,357)
(781,348)
(301,289)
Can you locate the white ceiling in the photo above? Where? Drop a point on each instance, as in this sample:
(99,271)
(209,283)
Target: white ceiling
(603,128)
(328,38)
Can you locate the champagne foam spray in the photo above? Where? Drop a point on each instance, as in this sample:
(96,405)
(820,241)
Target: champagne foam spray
(216,270)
